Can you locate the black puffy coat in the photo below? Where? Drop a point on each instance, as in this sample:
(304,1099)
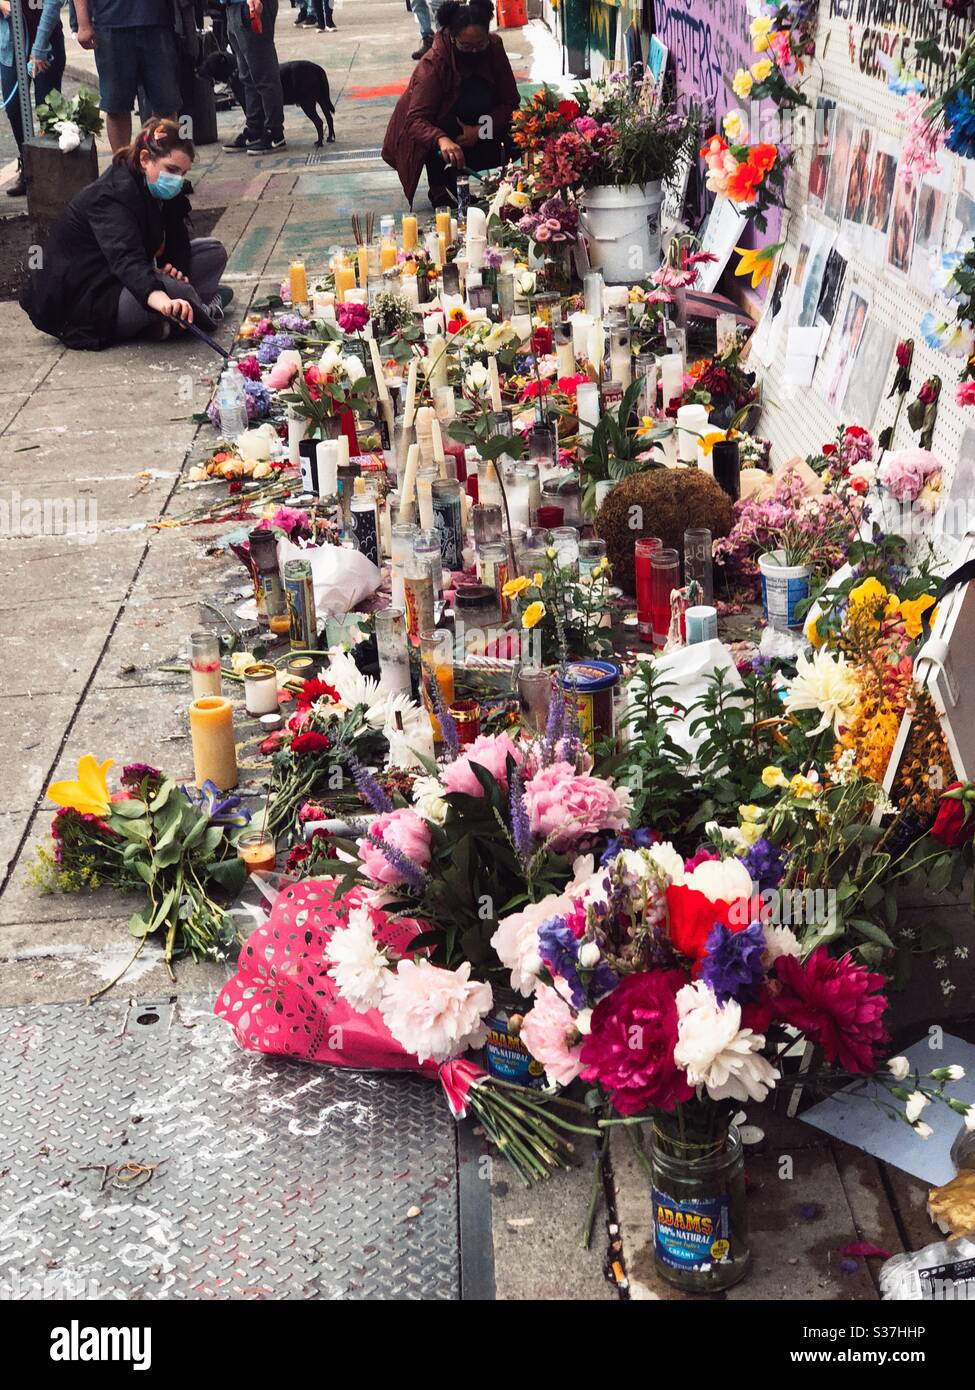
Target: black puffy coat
(109,238)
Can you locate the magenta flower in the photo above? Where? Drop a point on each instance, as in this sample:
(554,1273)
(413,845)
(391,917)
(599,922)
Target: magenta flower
(630,1049)
(352,318)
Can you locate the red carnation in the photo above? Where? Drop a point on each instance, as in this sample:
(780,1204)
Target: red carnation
(829,450)
(309,743)
(953,825)
(312,690)
(905,352)
(630,1050)
(836,1004)
(568,110)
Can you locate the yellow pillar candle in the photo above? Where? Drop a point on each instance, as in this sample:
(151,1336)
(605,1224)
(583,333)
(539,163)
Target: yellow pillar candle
(409,232)
(298,282)
(344,280)
(362,256)
(212,731)
(387,255)
(443,225)
(442,243)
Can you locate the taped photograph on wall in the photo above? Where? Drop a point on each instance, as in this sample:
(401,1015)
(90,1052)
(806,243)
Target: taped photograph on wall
(844,129)
(832,287)
(868,375)
(820,244)
(880,199)
(858,184)
(837,366)
(929,231)
(819,164)
(900,242)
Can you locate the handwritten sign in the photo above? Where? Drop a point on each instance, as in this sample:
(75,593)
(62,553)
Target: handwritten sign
(708,41)
(878,32)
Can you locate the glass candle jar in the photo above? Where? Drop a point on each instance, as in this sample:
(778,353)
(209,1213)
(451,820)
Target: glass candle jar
(204,663)
(664,579)
(428,543)
(697,560)
(550,515)
(643,550)
(726,467)
(437,667)
(261,689)
(466,715)
(700,1228)
(418,589)
(486,520)
(591,551)
(566,542)
(393,649)
(477,617)
(401,544)
(535,694)
(258,853)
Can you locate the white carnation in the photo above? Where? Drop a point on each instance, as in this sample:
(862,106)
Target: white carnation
(358,963)
(780,941)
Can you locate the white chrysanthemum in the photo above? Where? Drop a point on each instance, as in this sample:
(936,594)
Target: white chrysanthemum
(381,705)
(714,1049)
(780,941)
(359,966)
(435,1013)
(428,800)
(826,684)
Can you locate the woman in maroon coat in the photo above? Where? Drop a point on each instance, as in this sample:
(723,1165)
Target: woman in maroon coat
(456,112)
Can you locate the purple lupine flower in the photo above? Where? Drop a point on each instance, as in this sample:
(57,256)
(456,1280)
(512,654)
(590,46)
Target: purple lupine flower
(627,839)
(520,825)
(558,947)
(732,966)
(409,871)
(570,744)
(448,725)
(369,787)
(553,726)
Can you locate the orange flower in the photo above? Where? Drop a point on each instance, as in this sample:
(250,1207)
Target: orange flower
(742,184)
(762,157)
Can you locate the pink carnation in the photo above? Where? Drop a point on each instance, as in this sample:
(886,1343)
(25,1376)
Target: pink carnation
(406,832)
(551,1036)
(568,806)
(491,752)
(965,393)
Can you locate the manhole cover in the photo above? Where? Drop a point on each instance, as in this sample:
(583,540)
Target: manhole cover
(148,1157)
(343,156)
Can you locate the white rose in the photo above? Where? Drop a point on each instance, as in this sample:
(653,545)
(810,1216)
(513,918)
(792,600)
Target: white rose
(477,377)
(331,358)
(589,955)
(353,367)
(526,282)
(69,135)
(899,1067)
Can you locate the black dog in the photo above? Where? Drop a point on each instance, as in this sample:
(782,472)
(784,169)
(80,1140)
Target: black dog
(303,84)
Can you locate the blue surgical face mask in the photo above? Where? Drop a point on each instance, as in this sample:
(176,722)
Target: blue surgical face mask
(165,186)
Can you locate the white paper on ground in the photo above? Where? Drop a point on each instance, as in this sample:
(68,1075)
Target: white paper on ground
(685,674)
(852,1116)
(342,577)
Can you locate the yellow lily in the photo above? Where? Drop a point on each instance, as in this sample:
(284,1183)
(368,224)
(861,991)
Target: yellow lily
(912,610)
(89,793)
(757,263)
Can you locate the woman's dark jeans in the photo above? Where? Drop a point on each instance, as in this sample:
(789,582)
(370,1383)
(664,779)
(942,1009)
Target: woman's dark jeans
(44,84)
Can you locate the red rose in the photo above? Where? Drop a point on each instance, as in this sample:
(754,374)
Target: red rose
(309,743)
(953,826)
(542,340)
(926,394)
(905,351)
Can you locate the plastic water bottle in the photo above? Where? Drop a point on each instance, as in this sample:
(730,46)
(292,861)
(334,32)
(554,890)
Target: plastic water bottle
(232,404)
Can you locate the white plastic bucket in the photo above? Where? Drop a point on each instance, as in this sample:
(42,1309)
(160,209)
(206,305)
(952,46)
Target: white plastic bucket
(783,588)
(623,226)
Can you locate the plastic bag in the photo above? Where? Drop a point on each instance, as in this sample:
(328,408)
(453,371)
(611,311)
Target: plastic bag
(942,1272)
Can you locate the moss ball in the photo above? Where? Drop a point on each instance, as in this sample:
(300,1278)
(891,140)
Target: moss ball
(670,501)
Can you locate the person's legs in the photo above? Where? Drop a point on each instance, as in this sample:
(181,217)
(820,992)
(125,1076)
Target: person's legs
(253,111)
(132,319)
(209,261)
(421,8)
(157,61)
(257,61)
(118,80)
(11,97)
(50,80)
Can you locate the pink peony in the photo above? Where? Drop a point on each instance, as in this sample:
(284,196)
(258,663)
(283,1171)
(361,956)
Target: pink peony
(630,1050)
(516,939)
(405,832)
(568,806)
(490,751)
(836,1004)
(551,1036)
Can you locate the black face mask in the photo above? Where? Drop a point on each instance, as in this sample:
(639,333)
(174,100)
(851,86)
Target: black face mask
(467,62)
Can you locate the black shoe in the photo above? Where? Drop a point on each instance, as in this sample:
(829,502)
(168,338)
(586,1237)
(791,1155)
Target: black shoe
(331,28)
(304,19)
(441,197)
(18,189)
(240,143)
(278,142)
(425,47)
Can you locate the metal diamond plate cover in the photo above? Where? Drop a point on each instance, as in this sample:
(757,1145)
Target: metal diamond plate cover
(154,1159)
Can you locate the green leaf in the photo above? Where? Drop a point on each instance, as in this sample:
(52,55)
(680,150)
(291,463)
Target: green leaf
(230,874)
(128,810)
(167,855)
(871,931)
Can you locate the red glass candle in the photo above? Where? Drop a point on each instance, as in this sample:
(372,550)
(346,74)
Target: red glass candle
(550,516)
(664,579)
(642,552)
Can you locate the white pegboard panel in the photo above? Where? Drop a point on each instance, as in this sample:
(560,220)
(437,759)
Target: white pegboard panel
(798,420)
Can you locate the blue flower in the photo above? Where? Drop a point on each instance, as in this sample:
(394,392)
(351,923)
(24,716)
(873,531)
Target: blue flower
(732,966)
(933,331)
(765,863)
(628,839)
(558,947)
(959,114)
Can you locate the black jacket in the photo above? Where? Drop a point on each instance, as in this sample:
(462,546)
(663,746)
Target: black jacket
(108,238)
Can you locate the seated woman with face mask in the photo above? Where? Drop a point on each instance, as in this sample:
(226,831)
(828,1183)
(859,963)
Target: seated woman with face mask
(456,113)
(119,263)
